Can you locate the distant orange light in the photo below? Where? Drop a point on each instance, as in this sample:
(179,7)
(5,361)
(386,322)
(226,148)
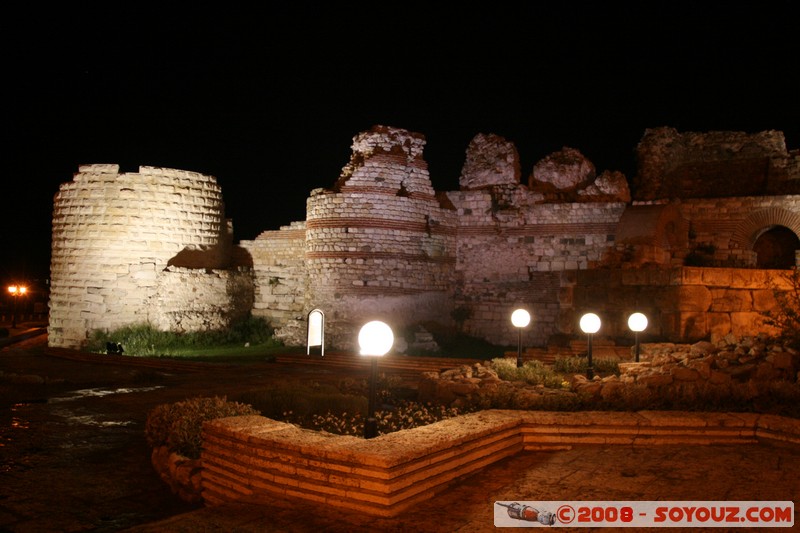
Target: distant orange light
(17,289)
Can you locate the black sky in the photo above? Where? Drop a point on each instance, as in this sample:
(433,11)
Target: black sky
(268,98)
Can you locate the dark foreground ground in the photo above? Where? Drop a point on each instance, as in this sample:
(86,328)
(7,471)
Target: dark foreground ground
(73,458)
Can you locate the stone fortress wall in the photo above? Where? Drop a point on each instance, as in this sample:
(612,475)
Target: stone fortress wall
(381,243)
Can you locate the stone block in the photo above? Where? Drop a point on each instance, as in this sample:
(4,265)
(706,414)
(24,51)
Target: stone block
(694,298)
(719,325)
(730,300)
(716,277)
(691,326)
(682,373)
(763,300)
(747,323)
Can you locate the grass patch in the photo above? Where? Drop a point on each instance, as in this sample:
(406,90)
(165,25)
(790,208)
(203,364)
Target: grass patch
(245,341)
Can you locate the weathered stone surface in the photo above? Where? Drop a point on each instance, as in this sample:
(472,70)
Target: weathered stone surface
(712,164)
(565,170)
(115,233)
(381,241)
(491,160)
(611,186)
(749,359)
(183,475)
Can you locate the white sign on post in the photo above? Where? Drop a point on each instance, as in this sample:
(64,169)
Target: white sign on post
(316,331)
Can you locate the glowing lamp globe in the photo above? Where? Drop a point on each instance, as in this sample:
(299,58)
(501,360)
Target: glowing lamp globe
(637,322)
(520,318)
(590,323)
(375,338)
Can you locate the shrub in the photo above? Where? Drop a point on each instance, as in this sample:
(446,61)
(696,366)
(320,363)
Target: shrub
(179,426)
(786,315)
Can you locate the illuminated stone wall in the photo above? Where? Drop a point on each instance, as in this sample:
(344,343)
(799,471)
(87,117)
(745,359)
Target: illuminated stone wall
(280,277)
(518,256)
(380,243)
(684,304)
(729,227)
(114,234)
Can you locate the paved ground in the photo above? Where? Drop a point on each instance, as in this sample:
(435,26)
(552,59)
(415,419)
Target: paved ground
(78,461)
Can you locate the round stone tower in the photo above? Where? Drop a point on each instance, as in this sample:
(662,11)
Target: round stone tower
(113,236)
(378,243)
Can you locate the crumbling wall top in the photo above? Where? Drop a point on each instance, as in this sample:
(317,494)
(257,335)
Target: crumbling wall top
(672,164)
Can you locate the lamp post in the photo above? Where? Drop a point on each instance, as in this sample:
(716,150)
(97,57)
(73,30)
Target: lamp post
(16,291)
(374,339)
(637,322)
(520,319)
(590,324)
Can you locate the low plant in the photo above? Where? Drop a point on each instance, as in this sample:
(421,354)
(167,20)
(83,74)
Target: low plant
(178,426)
(405,415)
(579,365)
(303,400)
(532,372)
(145,340)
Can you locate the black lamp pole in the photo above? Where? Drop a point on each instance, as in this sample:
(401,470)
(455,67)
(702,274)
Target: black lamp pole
(371,423)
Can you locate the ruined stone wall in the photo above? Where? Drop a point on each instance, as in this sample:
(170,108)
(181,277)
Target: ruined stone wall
(730,226)
(515,253)
(154,246)
(683,304)
(379,245)
(113,235)
(189,299)
(715,164)
(280,274)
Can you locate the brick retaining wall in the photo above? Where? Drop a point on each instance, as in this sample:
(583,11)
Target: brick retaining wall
(252,458)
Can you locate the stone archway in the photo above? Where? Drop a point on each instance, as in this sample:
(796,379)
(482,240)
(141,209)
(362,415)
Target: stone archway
(775,248)
(764,223)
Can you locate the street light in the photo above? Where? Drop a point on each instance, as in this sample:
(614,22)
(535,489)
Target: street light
(520,318)
(590,324)
(374,339)
(637,322)
(16,291)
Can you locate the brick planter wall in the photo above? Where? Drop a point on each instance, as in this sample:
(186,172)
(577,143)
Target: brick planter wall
(251,458)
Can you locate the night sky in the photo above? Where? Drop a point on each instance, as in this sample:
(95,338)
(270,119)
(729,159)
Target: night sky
(267,99)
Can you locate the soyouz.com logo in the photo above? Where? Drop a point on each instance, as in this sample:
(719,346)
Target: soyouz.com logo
(644,514)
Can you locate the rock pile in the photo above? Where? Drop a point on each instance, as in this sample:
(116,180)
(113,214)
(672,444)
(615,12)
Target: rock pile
(459,387)
(719,365)
(664,366)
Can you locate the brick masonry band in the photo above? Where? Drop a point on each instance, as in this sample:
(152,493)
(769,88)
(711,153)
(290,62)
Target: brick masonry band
(250,459)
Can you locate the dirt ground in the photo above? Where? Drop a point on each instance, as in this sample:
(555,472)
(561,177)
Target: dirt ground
(72,450)
(73,458)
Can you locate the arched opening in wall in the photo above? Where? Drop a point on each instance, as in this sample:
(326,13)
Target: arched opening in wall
(775,248)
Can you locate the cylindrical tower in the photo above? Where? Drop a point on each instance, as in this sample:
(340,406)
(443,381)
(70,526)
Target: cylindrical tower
(114,233)
(379,245)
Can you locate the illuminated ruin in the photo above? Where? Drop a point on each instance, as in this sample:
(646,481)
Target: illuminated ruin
(688,244)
